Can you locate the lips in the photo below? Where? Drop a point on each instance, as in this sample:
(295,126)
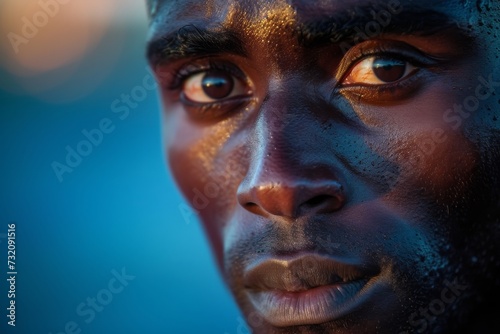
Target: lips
(306,289)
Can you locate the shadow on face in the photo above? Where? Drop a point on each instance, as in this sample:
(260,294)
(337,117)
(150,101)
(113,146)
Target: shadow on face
(343,156)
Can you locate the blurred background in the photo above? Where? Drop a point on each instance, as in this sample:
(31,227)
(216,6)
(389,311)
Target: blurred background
(104,241)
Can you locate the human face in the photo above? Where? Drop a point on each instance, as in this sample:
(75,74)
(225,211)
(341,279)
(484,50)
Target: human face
(342,155)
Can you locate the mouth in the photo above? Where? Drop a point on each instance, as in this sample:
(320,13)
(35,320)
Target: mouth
(305,290)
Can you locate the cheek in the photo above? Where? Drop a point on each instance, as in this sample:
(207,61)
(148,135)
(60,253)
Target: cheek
(437,159)
(207,163)
(432,154)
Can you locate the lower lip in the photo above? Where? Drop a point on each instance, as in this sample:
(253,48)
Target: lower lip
(308,307)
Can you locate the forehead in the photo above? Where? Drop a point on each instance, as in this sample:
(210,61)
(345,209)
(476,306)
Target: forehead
(176,13)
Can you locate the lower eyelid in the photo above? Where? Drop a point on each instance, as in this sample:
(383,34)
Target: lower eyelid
(391,49)
(245,95)
(391,92)
(217,110)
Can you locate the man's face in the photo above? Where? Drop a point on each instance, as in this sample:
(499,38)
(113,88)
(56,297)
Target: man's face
(342,155)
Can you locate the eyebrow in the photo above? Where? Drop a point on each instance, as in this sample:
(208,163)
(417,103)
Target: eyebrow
(191,41)
(342,27)
(352,26)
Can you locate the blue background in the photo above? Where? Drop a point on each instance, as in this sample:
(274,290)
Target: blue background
(118,209)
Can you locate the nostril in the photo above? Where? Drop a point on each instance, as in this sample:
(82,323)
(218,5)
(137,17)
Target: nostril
(317,200)
(322,204)
(291,199)
(253,207)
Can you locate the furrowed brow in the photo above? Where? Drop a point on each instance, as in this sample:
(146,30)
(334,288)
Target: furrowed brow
(355,26)
(191,41)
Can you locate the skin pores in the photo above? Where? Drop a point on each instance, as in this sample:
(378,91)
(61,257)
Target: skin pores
(342,156)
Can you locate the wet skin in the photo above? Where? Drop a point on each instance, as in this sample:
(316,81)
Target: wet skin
(346,182)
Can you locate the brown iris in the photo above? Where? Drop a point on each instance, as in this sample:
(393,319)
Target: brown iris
(217,84)
(389,70)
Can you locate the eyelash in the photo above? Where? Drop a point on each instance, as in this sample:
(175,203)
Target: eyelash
(372,92)
(389,91)
(403,52)
(209,111)
(180,75)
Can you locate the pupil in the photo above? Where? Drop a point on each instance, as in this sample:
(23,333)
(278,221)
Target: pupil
(217,84)
(389,70)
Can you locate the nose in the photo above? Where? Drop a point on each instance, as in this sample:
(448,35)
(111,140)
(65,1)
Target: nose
(290,198)
(291,171)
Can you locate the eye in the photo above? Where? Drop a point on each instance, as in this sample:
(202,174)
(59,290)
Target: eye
(212,86)
(379,70)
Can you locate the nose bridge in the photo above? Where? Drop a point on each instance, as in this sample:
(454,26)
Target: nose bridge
(277,139)
(289,173)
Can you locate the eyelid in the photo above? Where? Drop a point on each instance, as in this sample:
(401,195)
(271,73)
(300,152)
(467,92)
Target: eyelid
(182,73)
(179,73)
(238,85)
(212,112)
(395,49)
(409,69)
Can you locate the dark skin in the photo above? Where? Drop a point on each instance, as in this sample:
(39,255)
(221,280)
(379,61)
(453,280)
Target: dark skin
(345,183)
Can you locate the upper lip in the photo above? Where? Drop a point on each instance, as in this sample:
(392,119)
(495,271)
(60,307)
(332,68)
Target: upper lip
(300,273)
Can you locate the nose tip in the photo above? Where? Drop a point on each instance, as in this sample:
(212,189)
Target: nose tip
(292,200)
